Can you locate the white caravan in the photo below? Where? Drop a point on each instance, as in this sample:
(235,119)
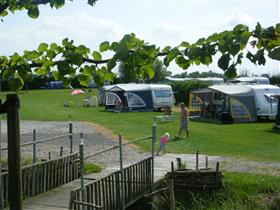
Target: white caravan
(265,100)
(162,96)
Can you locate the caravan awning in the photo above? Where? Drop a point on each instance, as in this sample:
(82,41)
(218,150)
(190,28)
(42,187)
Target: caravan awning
(233,90)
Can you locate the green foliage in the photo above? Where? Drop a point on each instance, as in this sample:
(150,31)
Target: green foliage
(241,191)
(31,6)
(139,58)
(182,89)
(275,80)
(91,168)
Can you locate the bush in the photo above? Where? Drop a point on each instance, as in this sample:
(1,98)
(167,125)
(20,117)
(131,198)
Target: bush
(182,89)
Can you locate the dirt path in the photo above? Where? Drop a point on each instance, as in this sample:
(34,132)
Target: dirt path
(97,138)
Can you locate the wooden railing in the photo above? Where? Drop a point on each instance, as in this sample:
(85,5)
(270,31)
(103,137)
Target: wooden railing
(106,193)
(41,177)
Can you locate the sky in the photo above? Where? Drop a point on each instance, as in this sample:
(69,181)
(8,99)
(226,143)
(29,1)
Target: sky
(160,22)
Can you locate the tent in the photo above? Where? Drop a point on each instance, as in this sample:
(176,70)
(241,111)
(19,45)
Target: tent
(133,97)
(236,101)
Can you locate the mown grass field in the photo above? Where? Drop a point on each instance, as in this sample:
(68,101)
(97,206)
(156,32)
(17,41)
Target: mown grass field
(255,141)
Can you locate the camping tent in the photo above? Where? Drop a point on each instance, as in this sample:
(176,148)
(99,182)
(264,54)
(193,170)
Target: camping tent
(236,100)
(134,97)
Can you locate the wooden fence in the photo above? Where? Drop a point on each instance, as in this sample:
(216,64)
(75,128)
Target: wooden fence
(106,193)
(41,177)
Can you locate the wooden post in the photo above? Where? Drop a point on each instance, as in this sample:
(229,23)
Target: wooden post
(122,193)
(196,165)
(81,147)
(71,136)
(171,194)
(206,162)
(34,146)
(15,182)
(179,163)
(172,166)
(61,151)
(217,167)
(153,154)
(50,157)
(1,187)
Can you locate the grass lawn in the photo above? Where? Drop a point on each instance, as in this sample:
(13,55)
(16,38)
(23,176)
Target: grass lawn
(255,141)
(242,192)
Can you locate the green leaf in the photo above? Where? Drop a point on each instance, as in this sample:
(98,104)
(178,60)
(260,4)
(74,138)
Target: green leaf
(185,44)
(166,49)
(239,58)
(33,12)
(76,59)
(251,57)
(240,28)
(193,52)
(57,3)
(53,46)
(31,55)
(114,46)
(91,2)
(258,28)
(231,72)
(51,54)
(275,54)
(16,84)
(97,56)
(277,28)
(182,62)
(244,39)
(234,49)
(63,68)
(111,64)
(82,49)
(223,62)
(171,56)
(4,13)
(104,46)
(41,70)
(43,47)
(88,70)
(109,76)
(201,41)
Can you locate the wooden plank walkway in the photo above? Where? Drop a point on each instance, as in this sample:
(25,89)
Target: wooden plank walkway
(59,198)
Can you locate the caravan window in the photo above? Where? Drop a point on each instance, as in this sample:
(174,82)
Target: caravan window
(134,100)
(162,93)
(110,98)
(270,98)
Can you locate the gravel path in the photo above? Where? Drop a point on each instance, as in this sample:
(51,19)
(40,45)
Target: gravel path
(97,138)
(93,140)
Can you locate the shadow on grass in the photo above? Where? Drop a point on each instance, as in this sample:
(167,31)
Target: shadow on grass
(273,130)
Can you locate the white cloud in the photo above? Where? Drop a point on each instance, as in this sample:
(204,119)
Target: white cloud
(238,17)
(169,31)
(81,27)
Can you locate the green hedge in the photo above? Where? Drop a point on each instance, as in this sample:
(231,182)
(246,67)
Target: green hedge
(182,89)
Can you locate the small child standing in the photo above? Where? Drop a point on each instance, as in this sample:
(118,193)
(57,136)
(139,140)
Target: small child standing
(163,141)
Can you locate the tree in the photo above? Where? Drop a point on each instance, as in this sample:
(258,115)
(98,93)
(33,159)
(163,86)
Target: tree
(127,73)
(64,59)
(160,72)
(31,6)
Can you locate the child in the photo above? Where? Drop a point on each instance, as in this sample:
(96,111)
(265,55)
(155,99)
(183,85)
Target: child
(163,141)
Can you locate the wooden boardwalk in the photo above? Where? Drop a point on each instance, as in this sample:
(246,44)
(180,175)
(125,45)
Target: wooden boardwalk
(59,198)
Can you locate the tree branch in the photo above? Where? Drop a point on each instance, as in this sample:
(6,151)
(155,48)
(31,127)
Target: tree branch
(85,60)
(5,5)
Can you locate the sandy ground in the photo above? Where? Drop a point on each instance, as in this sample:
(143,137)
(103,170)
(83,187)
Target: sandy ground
(97,137)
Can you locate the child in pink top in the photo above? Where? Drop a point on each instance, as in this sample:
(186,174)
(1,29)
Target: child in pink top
(163,141)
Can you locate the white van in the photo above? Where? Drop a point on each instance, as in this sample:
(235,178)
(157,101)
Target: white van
(266,103)
(162,96)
